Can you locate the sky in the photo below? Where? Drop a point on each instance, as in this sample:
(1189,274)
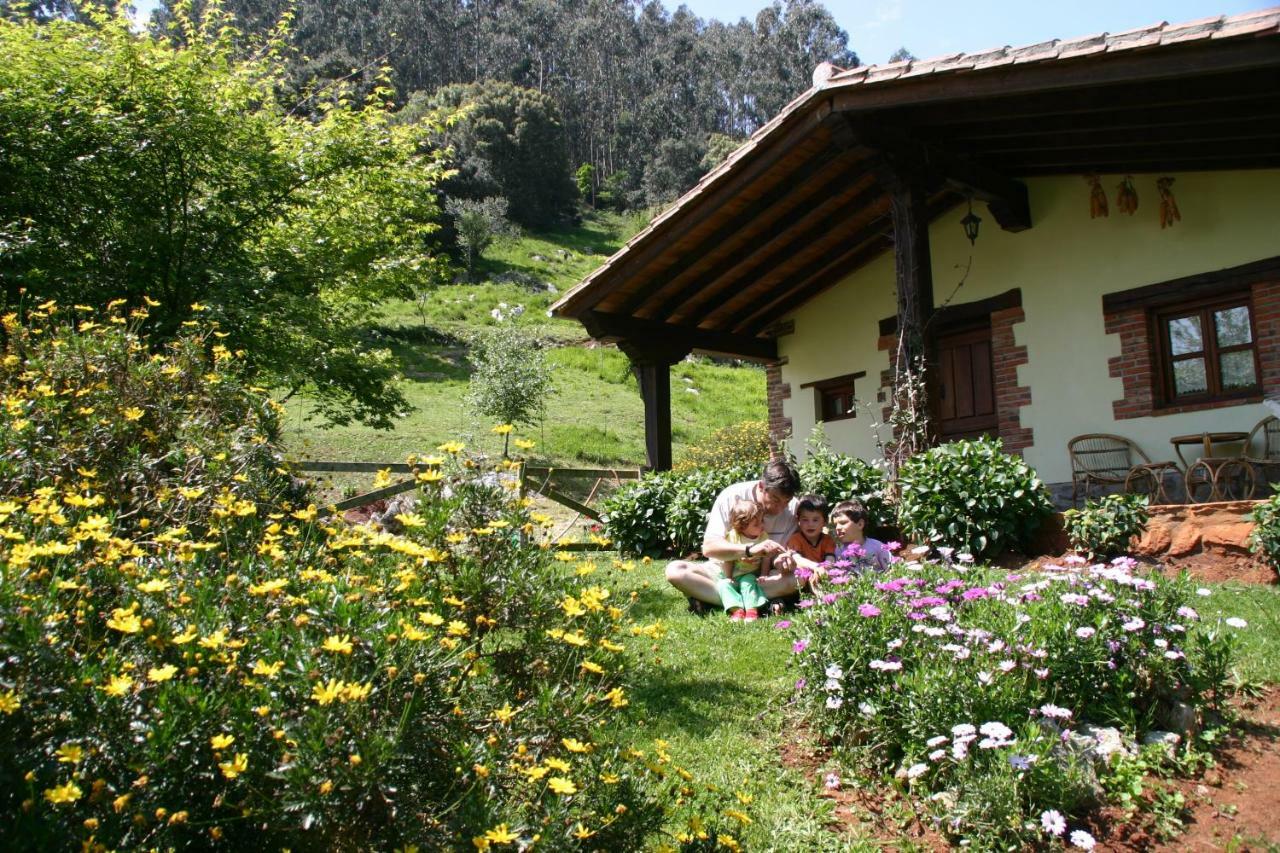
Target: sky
(931,28)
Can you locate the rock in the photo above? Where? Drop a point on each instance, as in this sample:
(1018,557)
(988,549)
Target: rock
(1213,777)
(1155,540)
(402,504)
(364,514)
(1169,741)
(1186,540)
(1178,717)
(1230,537)
(1105,742)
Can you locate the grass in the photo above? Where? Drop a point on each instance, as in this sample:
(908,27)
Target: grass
(594,418)
(717,693)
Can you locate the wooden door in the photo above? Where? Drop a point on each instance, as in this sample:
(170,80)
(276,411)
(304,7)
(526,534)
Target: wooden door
(965,401)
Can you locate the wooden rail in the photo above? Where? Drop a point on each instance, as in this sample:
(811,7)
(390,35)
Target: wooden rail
(535,478)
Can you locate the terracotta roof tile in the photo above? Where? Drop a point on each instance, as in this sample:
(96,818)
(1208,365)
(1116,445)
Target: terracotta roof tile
(1083,46)
(938,65)
(1041,52)
(1264,20)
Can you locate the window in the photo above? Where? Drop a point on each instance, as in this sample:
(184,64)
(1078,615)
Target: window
(1207,351)
(834,399)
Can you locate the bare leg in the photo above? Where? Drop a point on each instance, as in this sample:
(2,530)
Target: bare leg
(778,584)
(696,580)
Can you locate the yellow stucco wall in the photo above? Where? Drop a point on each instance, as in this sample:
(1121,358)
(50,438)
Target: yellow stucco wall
(1063,264)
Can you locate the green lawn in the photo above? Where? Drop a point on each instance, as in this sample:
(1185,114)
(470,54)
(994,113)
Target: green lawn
(717,693)
(594,418)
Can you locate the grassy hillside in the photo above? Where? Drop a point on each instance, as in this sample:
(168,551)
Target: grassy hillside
(595,417)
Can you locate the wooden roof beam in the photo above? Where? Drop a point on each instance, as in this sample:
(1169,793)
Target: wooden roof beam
(1006,198)
(649,334)
(829,160)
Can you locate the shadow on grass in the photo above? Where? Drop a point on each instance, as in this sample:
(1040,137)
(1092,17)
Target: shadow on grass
(425,353)
(698,706)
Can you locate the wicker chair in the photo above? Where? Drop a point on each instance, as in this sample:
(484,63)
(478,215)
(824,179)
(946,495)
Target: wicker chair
(1267,435)
(1113,460)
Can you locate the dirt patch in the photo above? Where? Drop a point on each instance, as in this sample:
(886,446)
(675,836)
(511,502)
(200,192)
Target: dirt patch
(880,814)
(1207,566)
(1234,806)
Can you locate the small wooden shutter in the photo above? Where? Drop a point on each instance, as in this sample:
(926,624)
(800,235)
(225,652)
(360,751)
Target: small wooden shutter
(965,389)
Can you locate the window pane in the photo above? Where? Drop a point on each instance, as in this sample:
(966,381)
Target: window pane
(1185,336)
(1233,326)
(1189,377)
(1237,370)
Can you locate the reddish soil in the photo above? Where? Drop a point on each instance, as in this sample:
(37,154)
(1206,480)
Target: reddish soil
(1235,805)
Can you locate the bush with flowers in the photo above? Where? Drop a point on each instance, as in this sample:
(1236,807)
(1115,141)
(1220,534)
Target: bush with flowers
(972,686)
(191,654)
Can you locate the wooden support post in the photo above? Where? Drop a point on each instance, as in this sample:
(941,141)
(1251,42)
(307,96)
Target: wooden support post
(914,269)
(652,362)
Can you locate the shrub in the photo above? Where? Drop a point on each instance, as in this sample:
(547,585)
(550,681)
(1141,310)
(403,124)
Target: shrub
(665,513)
(838,477)
(971,496)
(1265,538)
(202,657)
(635,516)
(746,443)
(512,379)
(1105,526)
(963,680)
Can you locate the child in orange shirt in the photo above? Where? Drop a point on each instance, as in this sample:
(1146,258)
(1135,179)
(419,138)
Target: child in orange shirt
(810,541)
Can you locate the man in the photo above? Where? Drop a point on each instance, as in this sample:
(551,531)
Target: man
(775,491)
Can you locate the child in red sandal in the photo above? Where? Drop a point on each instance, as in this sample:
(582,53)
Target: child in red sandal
(739,589)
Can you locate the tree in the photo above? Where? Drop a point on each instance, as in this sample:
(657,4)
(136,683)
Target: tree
(508,141)
(478,223)
(511,379)
(902,55)
(585,178)
(171,172)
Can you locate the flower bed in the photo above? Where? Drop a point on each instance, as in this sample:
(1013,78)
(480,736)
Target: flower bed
(1002,697)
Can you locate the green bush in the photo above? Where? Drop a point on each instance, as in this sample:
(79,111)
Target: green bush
(972,687)
(635,516)
(972,496)
(1265,538)
(666,513)
(1104,526)
(838,477)
(746,443)
(195,655)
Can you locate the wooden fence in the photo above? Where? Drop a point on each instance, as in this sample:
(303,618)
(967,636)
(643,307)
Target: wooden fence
(534,479)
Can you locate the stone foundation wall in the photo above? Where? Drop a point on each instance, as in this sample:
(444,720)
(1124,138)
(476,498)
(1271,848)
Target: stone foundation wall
(1182,530)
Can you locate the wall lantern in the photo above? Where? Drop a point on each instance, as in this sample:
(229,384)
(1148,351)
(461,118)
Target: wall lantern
(970,224)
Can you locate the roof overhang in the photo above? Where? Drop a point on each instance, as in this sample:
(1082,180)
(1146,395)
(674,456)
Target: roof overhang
(806,200)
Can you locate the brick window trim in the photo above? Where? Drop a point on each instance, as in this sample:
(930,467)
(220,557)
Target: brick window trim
(1130,315)
(776,391)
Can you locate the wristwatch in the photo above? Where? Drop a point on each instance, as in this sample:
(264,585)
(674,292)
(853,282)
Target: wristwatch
(746,552)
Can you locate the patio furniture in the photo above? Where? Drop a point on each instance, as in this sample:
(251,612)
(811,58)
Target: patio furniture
(1267,433)
(1215,478)
(1113,460)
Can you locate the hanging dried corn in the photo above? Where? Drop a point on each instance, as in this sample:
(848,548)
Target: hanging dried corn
(1097,197)
(1169,212)
(1127,196)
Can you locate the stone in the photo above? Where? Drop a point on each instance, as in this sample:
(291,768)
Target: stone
(1178,717)
(1105,742)
(1155,539)
(1186,540)
(1168,741)
(1228,537)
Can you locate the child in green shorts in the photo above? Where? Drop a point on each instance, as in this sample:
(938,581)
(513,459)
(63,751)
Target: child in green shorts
(739,590)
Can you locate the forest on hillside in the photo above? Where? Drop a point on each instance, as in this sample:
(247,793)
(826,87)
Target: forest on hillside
(648,98)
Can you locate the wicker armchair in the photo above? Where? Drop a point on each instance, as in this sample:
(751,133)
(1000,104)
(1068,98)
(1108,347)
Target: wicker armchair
(1266,434)
(1113,460)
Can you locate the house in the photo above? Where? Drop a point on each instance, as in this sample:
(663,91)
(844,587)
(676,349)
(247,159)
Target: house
(838,229)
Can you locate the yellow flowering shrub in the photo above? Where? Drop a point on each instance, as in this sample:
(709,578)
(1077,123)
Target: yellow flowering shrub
(193,654)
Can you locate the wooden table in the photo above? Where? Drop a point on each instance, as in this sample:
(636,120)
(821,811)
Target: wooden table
(1228,477)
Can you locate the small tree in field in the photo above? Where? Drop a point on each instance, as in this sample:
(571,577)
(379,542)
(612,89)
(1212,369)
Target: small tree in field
(512,379)
(479,222)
